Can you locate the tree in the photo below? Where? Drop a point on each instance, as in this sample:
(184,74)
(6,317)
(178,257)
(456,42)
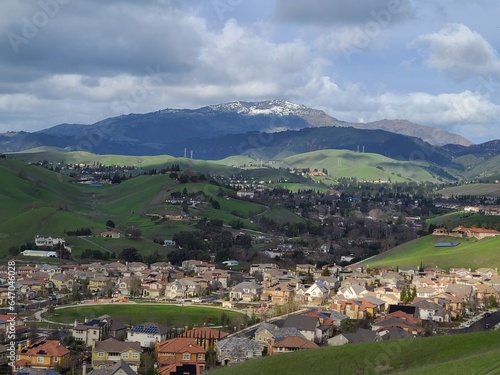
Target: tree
(135,287)
(110,224)
(130,254)
(216,204)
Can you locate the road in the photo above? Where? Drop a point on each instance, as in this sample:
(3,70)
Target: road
(481,324)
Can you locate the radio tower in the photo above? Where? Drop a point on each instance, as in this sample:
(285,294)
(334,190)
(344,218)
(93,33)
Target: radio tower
(185,155)
(191,154)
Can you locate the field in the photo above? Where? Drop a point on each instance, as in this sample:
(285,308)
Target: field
(471,253)
(132,314)
(363,166)
(475,353)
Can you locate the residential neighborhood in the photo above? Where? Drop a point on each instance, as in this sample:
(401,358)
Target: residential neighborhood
(287,310)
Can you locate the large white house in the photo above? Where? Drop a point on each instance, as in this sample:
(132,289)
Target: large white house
(147,334)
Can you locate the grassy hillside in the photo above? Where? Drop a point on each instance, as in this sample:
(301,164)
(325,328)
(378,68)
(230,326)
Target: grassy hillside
(475,353)
(471,253)
(36,201)
(55,155)
(472,189)
(363,166)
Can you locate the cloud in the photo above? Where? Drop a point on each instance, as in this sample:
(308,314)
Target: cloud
(341,12)
(459,52)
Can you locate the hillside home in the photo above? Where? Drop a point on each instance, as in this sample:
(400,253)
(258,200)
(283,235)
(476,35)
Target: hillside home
(246,291)
(236,350)
(290,344)
(281,293)
(309,326)
(147,334)
(106,353)
(360,336)
(181,355)
(428,310)
(182,289)
(44,354)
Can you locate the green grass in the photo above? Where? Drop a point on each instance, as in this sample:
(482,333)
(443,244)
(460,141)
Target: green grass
(471,253)
(475,353)
(363,166)
(457,218)
(282,215)
(132,314)
(472,189)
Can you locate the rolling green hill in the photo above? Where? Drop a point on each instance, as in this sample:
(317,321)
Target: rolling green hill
(471,253)
(363,166)
(36,201)
(474,353)
(492,190)
(55,155)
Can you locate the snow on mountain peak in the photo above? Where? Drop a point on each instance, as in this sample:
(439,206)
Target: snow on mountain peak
(268,107)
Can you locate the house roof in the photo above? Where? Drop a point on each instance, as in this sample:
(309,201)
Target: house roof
(407,309)
(361,335)
(295,342)
(120,365)
(151,328)
(302,322)
(180,345)
(264,326)
(52,348)
(285,332)
(236,346)
(113,345)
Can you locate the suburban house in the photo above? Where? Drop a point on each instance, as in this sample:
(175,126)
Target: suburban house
(354,309)
(44,354)
(399,319)
(353,291)
(309,326)
(290,344)
(361,335)
(267,334)
(247,291)
(182,289)
(317,293)
(106,353)
(237,349)
(147,334)
(280,293)
(90,331)
(428,310)
(181,355)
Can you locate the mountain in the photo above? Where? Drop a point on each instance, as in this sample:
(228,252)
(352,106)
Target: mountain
(148,133)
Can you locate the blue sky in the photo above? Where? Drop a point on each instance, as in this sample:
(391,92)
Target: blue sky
(431,62)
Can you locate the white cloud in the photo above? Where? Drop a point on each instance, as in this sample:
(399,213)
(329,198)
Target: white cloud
(459,52)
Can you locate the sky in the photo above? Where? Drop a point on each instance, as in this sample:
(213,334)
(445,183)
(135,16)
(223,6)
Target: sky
(431,62)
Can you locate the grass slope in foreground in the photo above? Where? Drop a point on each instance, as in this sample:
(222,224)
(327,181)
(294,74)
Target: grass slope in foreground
(132,314)
(471,253)
(475,353)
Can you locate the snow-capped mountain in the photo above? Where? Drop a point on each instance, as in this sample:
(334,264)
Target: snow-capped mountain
(157,132)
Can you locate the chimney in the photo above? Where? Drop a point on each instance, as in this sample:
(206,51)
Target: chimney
(28,342)
(75,323)
(84,368)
